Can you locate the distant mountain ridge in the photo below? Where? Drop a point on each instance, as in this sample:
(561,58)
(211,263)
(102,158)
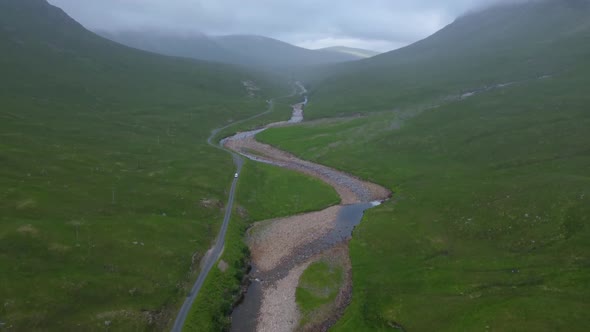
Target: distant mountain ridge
(250,50)
(359,52)
(501,44)
(196,46)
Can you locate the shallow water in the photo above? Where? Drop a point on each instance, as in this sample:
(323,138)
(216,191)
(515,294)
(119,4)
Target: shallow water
(245,314)
(348,218)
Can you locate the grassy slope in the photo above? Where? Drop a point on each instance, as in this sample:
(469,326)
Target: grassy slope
(318,287)
(361,53)
(256,51)
(199,47)
(280,111)
(80,118)
(271,192)
(271,53)
(490,225)
(265,192)
(536,39)
(489,229)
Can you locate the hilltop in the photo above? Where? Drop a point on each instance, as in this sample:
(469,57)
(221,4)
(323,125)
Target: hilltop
(481,133)
(499,45)
(246,50)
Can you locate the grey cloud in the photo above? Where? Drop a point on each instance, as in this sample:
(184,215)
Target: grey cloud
(381,24)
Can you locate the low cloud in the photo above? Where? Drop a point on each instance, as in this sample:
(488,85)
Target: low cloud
(376,24)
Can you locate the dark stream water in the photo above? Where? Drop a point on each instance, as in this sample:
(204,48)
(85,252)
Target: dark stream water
(245,314)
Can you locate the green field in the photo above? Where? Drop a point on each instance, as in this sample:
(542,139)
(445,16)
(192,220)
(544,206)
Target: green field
(317,290)
(280,110)
(271,192)
(109,192)
(488,228)
(264,192)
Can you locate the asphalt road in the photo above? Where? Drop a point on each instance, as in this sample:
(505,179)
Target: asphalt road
(217,250)
(214,254)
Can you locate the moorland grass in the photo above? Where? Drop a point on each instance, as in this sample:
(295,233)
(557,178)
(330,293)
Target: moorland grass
(271,192)
(496,46)
(103,216)
(318,286)
(276,112)
(488,228)
(264,192)
(105,174)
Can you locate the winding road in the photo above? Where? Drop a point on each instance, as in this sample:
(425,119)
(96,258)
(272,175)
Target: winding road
(214,254)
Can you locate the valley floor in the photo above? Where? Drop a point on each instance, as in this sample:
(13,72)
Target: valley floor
(282,249)
(489,227)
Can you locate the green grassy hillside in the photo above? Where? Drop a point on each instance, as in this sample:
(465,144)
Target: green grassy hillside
(268,52)
(488,228)
(489,223)
(109,194)
(195,46)
(265,192)
(496,46)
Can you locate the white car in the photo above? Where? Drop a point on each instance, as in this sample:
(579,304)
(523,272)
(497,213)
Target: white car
(236,175)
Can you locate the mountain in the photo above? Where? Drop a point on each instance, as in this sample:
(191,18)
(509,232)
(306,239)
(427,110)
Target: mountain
(245,50)
(361,53)
(104,170)
(268,51)
(196,46)
(499,45)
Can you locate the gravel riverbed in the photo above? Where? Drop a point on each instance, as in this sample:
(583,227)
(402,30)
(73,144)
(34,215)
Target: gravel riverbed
(283,248)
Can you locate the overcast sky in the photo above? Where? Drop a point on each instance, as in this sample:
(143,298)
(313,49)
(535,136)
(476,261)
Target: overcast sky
(380,25)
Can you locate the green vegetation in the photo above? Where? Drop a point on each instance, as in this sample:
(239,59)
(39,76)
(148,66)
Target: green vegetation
(489,223)
(318,287)
(248,50)
(266,192)
(211,309)
(280,110)
(271,192)
(496,46)
(259,51)
(488,229)
(110,195)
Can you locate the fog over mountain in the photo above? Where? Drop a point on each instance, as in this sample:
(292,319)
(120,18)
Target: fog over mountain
(379,25)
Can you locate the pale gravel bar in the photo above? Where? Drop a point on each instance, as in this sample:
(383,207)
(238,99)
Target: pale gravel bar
(276,245)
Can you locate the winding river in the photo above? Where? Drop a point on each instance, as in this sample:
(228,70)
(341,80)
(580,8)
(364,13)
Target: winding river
(283,248)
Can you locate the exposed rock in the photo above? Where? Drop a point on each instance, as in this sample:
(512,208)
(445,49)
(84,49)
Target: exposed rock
(28,229)
(223,266)
(210,203)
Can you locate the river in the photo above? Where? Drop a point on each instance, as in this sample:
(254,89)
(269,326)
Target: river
(357,196)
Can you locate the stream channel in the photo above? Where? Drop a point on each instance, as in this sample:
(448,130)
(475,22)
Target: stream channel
(246,316)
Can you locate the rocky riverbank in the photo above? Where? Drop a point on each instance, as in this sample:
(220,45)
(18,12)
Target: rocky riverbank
(283,248)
